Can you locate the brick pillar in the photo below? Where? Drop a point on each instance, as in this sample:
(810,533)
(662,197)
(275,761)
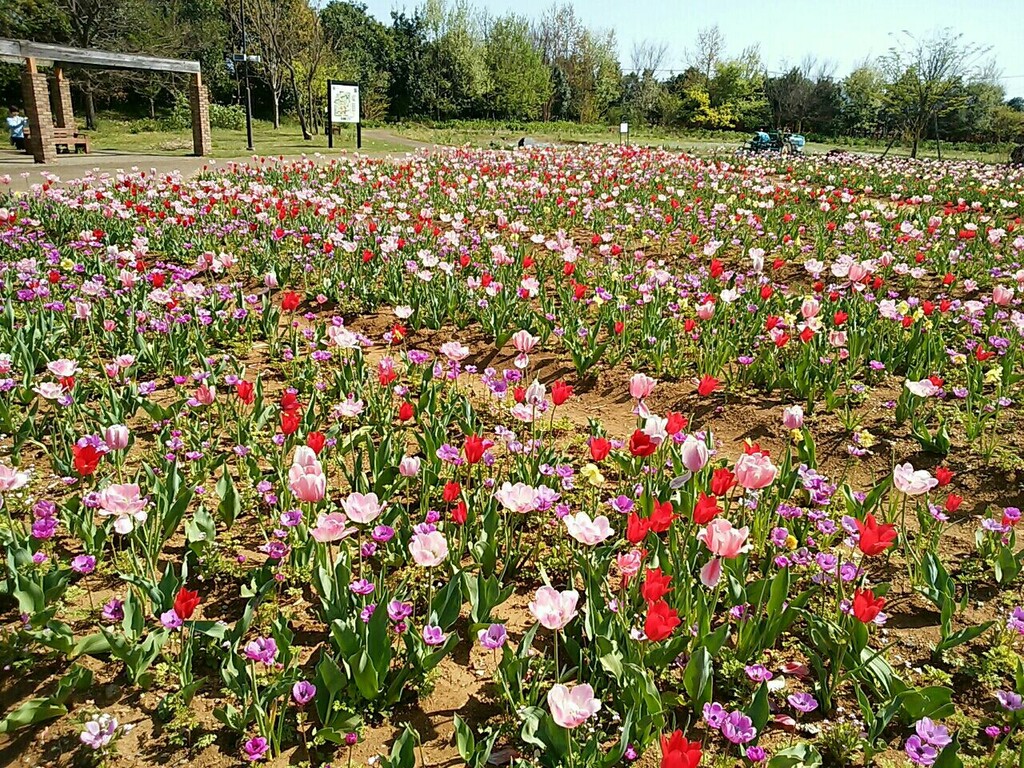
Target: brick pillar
(36,93)
(63,112)
(199,100)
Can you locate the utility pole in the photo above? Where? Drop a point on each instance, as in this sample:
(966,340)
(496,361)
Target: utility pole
(248,92)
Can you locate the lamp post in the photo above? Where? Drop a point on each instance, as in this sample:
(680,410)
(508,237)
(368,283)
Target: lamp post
(248,92)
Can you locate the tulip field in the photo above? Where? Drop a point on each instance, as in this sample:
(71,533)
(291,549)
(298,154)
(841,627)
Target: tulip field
(571,458)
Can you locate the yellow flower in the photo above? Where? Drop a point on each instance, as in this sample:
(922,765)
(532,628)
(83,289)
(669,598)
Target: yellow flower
(993,375)
(592,475)
(791,542)
(797,435)
(67,264)
(866,439)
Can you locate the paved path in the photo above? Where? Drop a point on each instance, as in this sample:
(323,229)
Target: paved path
(24,173)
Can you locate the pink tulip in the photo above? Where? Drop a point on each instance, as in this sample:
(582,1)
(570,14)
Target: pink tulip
(524,341)
(409,466)
(809,308)
(694,453)
(11,479)
(362,508)
(641,386)
(205,395)
(793,417)
(571,707)
(332,527)
(629,562)
(554,609)
(587,531)
(723,540)
(517,498)
(755,471)
(911,482)
(711,573)
(1002,296)
(307,483)
(428,549)
(125,503)
(62,368)
(305,456)
(116,437)
(706,310)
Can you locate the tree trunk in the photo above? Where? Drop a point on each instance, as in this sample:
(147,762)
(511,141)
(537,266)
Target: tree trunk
(90,110)
(277,109)
(152,108)
(298,104)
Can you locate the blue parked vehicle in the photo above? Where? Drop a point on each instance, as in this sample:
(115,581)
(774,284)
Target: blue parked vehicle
(777,141)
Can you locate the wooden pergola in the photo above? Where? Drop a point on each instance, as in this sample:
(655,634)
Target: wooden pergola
(36,89)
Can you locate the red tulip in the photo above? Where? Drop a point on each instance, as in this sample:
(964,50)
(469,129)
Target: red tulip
(460,513)
(452,491)
(722,481)
(290,402)
(640,444)
(637,528)
(560,392)
(661,620)
(875,537)
(677,752)
(662,516)
(316,441)
(289,423)
(953,502)
(290,301)
(185,603)
(705,510)
(943,475)
(655,586)
(599,448)
(406,411)
(475,447)
(246,392)
(676,422)
(708,384)
(866,606)
(86,459)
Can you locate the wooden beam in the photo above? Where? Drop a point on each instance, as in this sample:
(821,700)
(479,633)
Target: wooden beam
(61,54)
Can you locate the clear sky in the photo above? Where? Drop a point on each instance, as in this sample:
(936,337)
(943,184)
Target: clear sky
(840,30)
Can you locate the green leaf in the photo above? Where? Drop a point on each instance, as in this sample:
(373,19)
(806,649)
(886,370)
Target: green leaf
(697,678)
(949,758)
(797,756)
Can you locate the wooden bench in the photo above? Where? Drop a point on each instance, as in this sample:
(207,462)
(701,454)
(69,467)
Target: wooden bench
(66,138)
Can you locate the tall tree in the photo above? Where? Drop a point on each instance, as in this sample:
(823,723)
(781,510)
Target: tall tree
(520,83)
(925,80)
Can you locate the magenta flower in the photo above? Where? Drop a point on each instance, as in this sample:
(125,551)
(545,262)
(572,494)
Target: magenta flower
(303,692)
(255,749)
(493,637)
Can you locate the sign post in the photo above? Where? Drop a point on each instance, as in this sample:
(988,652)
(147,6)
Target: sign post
(343,107)
(623,133)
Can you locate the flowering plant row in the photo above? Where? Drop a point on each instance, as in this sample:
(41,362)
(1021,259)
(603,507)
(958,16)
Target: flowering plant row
(295,438)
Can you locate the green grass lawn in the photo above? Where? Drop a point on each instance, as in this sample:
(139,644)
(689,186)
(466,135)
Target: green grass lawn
(111,136)
(488,135)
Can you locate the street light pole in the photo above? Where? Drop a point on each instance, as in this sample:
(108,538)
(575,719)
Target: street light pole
(248,92)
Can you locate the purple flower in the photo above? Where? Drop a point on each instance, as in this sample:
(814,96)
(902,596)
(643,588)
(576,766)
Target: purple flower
(255,749)
(932,733)
(714,715)
(493,637)
(1016,621)
(399,611)
(83,564)
(756,754)
(303,692)
(920,752)
(1010,701)
(432,635)
(759,673)
(993,731)
(738,728)
(262,649)
(171,620)
(114,610)
(803,702)
(361,587)
(382,534)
